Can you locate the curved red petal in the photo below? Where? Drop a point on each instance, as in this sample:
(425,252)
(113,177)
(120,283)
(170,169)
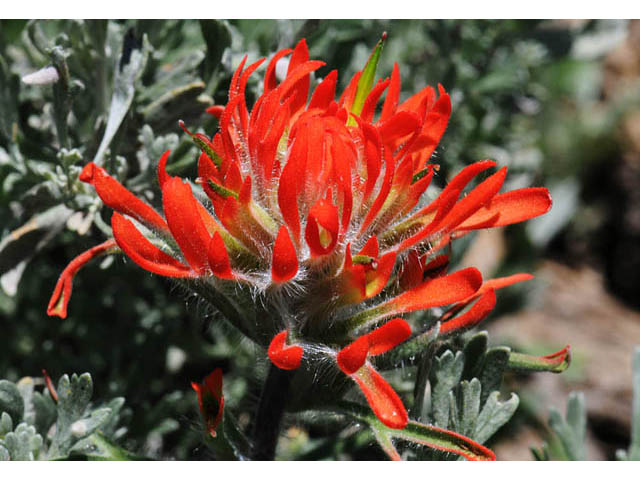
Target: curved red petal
(353,356)
(282,356)
(470,204)
(301,74)
(437,292)
(288,198)
(219,258)
(285,259)
(185,222)
(382,399)
(215,110)
(143,252)
(511,207)
(388,336)
(378,278)
(398,126)
(371,248)
(62,291)
(369,108)
(478,312)
(325,92)
(163,176)
(321,232)
(299,56)
(116,196)
(390,104)
(270,81)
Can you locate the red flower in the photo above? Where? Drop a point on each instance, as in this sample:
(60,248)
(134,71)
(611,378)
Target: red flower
(314,208)
(211,400)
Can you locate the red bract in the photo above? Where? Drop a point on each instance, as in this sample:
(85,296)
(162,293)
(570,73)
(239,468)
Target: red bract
(211,400)
(314,207)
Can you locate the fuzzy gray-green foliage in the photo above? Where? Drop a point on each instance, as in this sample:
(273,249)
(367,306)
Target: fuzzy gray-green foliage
(35,427)
(460,400)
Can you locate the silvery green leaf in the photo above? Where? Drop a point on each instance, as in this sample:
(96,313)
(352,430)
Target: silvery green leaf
(11,400)
(23,443)
(494,415)
(572,430)
(24,242)
(445,375)
(132,64)
(109,426)
(6,424)
(153,146)
(468,407)
(185,102)
(493,366)
(217,37)
(473,351)
(541,454)
(181,72)
(73,397)
(46,411)
(86,426)
(25,387)
(4,454)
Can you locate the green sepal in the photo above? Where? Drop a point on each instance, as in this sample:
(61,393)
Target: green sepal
(365,83)
(362,260)
(421,174)
(222,191)
(556,362)
(229,443)
(421,434)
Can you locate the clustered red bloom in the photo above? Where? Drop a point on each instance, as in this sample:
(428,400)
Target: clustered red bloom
(314,226)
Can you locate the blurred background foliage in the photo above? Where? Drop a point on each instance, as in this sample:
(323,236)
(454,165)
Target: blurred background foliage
(555,101)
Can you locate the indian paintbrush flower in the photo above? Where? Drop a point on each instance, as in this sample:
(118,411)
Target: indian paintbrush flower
(309,228)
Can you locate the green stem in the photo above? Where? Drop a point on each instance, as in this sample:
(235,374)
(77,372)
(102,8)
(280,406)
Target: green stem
(266,427)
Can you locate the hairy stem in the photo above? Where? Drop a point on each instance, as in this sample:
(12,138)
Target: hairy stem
(266,427)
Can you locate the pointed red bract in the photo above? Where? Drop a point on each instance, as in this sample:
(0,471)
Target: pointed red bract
(379,341)
(211,400)
(284,265)
(439,291)
(219,258)
(116,196)
(62,291)
(509,208)
(143,252)
(185,223)
(382,399)
(477,313)
(321,233)
(283,356)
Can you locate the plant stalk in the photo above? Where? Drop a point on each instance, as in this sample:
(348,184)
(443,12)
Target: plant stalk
(266,427)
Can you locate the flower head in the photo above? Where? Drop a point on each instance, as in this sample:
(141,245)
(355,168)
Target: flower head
(312,231)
